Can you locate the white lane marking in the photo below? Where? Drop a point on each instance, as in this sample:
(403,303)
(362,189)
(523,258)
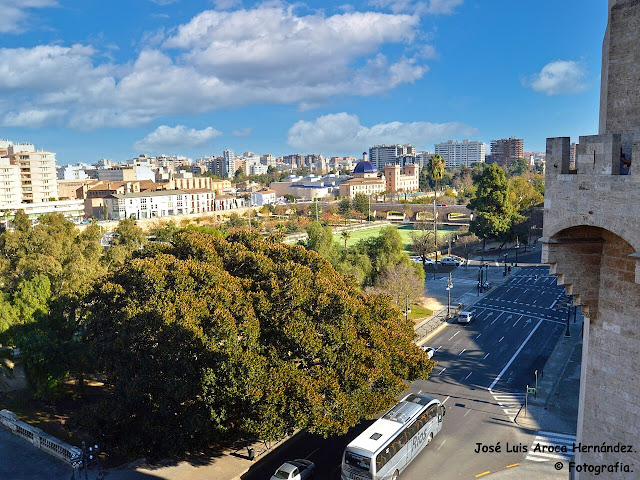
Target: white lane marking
(446,399)
(442,370)
(454,335)
(438,348)
(554,302)
(468,375)
(493,384)
(517,321)
(442,444)
(478,335)
(486,356)
(467,412)
(307,457)
(500,339)
(419,391)
(463,350)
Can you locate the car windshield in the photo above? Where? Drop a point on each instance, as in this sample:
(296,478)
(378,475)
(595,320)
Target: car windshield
(281,474)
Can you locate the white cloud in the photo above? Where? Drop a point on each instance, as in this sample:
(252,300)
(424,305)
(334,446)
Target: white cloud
(557,78)
(220,59)
(33,118)
(15,13)
(342,132)
(243,132)
(176,138)
(433,7)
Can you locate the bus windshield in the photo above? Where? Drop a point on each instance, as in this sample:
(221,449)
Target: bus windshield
(356,460)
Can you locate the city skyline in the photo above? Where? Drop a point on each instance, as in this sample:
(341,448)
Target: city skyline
(196,78)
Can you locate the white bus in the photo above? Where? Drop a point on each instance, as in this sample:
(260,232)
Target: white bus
(387,447)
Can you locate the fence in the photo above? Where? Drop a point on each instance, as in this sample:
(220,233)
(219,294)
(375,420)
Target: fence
(41,440)
(438,319)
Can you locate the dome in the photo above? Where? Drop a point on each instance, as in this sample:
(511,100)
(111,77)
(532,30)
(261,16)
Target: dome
(364,167)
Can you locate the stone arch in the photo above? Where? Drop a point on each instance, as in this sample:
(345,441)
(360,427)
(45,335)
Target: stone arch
(555,229)
(595,265)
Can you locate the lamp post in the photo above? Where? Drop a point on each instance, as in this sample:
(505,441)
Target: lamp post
(449,287)
(89,456)
(505,265)
(517,247)
(407,309)
(567,333)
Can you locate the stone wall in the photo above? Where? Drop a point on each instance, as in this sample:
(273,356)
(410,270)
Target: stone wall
(591,241)
(620,91)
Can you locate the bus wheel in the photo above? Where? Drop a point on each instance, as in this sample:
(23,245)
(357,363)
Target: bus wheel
(396,475)
(429,438)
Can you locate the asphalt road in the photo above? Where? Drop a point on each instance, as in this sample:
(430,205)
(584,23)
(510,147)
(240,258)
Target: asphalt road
(481,376)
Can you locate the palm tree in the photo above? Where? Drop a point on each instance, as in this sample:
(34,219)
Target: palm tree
(346,235)
(436,171)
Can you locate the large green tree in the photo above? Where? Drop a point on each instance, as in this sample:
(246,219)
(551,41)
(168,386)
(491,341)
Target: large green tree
(212,338)
(494,214)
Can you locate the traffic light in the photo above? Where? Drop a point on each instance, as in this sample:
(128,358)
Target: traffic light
(535,278)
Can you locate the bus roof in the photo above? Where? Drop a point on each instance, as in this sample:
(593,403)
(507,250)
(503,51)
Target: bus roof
(384,429)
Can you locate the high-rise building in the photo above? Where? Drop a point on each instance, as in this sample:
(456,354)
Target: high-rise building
(381,155)
(505,151)
(268,160)
(456,154)
(10,184)
(37,172)
(228,166)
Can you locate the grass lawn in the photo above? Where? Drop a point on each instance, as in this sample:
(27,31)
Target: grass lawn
(418,311)
(405,231)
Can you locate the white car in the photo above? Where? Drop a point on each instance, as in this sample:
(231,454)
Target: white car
(430,351)
(450,261)
(299,469)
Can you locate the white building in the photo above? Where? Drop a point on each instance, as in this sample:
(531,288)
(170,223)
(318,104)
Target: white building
(71,209)
(258,169)
(263,197)
(37,172)
(10,183)
(74,172)
(147,204)
(228,167)
(456,154)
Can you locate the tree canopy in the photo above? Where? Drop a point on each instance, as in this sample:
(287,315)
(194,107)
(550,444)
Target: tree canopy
(212,337)
(494,213)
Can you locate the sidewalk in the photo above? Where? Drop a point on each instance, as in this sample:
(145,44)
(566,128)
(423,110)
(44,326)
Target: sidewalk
(556,406)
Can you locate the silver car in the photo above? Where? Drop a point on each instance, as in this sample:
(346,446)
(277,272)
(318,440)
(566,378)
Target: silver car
(299,469)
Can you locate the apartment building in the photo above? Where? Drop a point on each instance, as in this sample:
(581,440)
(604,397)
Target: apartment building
(505,151)
(381,155)
(10,183)
(147,204)
(38,176)
(457,154)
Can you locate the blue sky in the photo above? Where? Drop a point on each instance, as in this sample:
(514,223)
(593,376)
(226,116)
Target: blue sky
(114,78)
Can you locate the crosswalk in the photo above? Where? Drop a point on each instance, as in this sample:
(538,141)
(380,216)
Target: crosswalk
(539,449)
(509,402)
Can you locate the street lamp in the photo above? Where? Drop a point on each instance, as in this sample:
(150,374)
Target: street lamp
(505,265)
(449,287)
(567,333)
(407,308)
(89,456)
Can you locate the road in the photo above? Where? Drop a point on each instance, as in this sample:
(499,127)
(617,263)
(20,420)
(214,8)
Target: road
(482,372)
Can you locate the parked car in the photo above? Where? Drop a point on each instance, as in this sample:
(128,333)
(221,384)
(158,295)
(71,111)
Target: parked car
(465,317)
(430,351)
(299,469)
(450,261)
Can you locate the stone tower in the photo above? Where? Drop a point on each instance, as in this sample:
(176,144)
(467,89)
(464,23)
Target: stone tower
(619,92)
(592,243)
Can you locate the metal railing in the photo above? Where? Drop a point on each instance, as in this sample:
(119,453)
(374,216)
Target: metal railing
(40,439)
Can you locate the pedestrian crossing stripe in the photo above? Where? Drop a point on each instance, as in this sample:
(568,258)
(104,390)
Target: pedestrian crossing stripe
(511,403)
(547,439)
